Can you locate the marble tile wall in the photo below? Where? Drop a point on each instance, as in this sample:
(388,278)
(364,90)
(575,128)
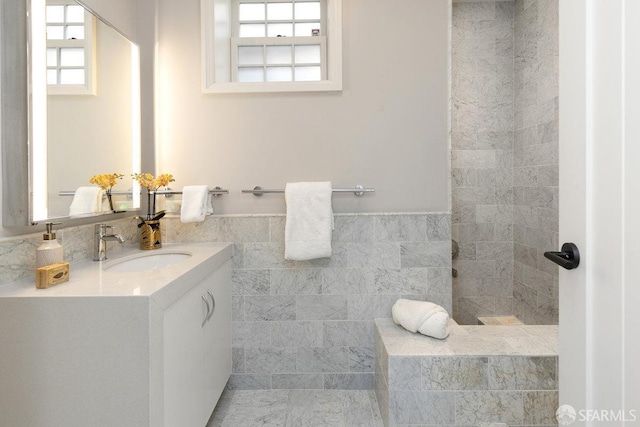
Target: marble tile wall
(18,254)
(482,158)
(309,325)
(535,160)
(505,159)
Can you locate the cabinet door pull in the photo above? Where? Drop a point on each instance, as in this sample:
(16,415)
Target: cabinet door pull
(213,304)
(206,317)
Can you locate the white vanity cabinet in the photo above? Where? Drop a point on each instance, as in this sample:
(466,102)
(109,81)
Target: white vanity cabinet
(137,349)
(197,350)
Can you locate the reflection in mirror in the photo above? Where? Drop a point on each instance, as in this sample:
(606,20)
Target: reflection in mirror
(85,111)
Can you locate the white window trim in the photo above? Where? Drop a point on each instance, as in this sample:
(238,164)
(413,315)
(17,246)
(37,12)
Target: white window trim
(89,87)
(280,41)
(216,16)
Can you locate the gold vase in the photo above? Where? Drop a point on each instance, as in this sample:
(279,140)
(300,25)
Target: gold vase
(150,235)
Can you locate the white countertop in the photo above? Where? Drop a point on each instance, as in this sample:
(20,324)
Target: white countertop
(91,279)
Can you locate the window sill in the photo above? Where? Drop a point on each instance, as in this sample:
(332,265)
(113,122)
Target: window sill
(267,87)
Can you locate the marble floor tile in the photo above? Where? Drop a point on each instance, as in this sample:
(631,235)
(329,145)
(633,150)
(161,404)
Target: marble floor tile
(297,408)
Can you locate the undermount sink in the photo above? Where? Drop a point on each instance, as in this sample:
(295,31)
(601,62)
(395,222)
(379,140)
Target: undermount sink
(147,261)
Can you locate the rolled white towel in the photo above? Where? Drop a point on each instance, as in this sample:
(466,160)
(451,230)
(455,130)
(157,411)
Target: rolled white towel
(421,316)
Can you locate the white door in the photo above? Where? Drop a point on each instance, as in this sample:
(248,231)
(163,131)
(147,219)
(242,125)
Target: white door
(600,209)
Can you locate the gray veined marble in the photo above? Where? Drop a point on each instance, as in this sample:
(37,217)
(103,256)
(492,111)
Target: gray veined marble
(322,359)
(471,375)
(251,282)
(405,373)
(474,407)
(304,382)
(422,407)
(375,254)
(426,254)
(400,228)
(455,373)
(522,373)
(399,281)
(270,360)
(361,359)
(270,308)
(294,282)
(297,334)
(348,333)
(321,307)
(346,281)
(351,381)
(244,229)
(251,334)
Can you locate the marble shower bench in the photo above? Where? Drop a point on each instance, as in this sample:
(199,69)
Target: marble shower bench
(477,376)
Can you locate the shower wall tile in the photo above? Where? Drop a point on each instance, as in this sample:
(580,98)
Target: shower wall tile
(309,324)
(536,40)
(505,148)
(482,148)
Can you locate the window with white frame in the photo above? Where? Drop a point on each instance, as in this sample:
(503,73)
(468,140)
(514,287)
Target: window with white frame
(271,45)
(70,48)
(279,41)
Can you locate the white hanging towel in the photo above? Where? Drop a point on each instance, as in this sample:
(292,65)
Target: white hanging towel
(307,232)
(421,316)
(86,200)
(196,203)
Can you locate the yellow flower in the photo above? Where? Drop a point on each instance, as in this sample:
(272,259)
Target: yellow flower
(150,182)
(163,180)
(106,181)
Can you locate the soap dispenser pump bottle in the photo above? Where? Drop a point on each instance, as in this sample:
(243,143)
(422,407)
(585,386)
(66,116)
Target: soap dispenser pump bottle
(50,251)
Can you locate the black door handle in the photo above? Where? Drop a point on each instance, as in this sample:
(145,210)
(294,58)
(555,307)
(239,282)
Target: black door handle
(569,258)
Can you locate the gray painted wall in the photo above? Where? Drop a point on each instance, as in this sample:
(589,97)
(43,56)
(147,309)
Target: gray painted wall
(387,129)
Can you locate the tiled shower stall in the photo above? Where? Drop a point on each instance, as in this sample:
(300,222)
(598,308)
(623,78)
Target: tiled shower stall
(505,159)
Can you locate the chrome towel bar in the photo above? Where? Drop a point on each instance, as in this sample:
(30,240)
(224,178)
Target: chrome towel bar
(217,191)
(358,190)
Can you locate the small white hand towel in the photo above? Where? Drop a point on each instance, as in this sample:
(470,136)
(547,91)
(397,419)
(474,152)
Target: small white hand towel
(309,223)
(421,316)
(86,200)
(196,203)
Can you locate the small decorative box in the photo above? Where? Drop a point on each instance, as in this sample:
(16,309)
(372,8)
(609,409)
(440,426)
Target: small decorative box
(51,275)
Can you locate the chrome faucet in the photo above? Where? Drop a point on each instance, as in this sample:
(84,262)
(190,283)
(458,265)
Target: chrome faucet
(100,239)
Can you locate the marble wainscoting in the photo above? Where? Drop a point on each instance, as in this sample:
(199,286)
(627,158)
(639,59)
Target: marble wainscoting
(310,325)
(18,254)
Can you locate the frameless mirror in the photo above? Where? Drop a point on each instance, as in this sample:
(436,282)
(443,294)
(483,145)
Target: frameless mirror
(83,105)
